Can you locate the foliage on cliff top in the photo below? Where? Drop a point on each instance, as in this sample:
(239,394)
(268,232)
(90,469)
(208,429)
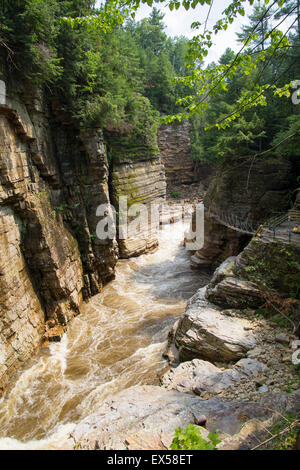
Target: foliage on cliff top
(136,138)
(103,74)
(97,67)
(241,91)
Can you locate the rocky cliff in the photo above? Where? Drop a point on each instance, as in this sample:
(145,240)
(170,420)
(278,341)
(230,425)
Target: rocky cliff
(187,179)
(53,176)
(142,183)
(52,179)
(175,147)
(241,196)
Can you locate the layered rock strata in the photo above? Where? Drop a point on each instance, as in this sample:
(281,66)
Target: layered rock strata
(175,147)
(53,177)
(204,332)
(142,185)
(240,197)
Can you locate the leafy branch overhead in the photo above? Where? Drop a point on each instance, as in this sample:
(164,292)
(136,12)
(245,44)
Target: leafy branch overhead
(259,45)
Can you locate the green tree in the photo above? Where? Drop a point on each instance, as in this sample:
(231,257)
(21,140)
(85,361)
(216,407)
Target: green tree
(259,25)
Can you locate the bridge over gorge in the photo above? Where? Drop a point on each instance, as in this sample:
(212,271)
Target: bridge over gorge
(284,227)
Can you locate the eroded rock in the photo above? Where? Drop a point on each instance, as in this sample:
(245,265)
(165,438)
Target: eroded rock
(204,379)
(146,417)
(204,332)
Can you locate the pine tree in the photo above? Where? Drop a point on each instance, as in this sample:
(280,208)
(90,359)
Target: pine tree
(259,25)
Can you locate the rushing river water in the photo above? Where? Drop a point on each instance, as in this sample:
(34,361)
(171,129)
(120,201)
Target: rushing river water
(115,343)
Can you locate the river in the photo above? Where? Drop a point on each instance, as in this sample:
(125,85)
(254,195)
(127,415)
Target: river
(116,342)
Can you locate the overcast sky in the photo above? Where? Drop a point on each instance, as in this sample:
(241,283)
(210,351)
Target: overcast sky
(178,24)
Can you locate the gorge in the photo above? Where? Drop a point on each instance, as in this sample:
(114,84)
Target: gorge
(119,337)
(114,343)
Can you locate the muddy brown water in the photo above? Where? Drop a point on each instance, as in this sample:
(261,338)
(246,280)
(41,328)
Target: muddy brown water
(117,342)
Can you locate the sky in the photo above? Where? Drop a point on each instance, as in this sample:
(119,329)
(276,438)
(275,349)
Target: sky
(178,24)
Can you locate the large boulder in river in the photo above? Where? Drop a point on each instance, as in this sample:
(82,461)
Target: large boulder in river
(204,332)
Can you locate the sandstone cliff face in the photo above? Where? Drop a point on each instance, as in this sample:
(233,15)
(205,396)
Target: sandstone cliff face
(175,146)
(187,178)
(51,181)
(53,177)
(141,182)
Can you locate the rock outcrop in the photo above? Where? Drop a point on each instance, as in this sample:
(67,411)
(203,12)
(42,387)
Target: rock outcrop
(145,418)
(175,148)
(238,199)
(142,182)
(227,290)
(205,332)
(220,242)
(205,379)
(50,285)
(268,266)
(231,353)
(187,178)
(273,265)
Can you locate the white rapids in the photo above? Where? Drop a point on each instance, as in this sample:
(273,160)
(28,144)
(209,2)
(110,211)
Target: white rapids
(115,343)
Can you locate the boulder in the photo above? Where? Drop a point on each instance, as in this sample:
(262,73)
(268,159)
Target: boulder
(204,332)
(203,378)
(184,377)
(235,293)
(226,289)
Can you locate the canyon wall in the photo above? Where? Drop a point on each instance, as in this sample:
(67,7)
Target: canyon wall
(175,147)
(141,182)
(187,178)
(53,176)
(241,196)
(51,181)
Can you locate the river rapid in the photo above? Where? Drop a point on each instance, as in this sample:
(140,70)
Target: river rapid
(116,342)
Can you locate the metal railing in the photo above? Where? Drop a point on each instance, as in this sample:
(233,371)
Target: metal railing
(284,226)
(235,222)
